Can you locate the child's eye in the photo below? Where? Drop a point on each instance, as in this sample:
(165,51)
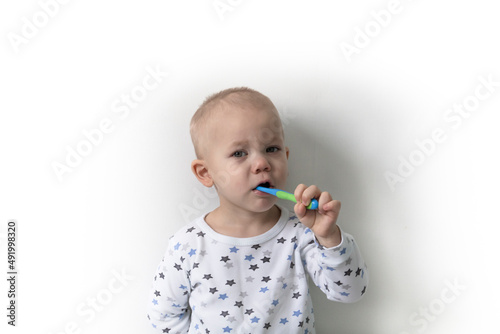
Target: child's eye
(273,149)
(238,154)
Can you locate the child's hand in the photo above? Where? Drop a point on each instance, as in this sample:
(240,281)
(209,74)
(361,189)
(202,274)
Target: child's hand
(323,221)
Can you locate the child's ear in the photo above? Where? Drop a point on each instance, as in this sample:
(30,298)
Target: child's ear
(200,170)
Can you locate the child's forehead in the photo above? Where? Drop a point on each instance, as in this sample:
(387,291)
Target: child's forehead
(241,117)
(246,126)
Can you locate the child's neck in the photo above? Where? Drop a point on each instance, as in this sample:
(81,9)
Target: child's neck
(242,224)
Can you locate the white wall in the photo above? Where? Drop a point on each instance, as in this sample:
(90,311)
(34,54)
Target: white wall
(349,119)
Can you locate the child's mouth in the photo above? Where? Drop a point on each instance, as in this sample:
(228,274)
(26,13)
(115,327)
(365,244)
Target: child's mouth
(265,184)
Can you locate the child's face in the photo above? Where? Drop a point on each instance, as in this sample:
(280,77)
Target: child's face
(246,148)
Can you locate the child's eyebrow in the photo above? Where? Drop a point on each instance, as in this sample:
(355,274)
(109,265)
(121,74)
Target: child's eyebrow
(239,142)
(245,142)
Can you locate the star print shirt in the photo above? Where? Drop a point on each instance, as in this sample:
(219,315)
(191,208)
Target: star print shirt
(212,283)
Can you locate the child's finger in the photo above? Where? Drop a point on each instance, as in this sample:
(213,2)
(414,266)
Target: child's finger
(298,192)
(300,211)
(310,193)
(333,207)
(324,198)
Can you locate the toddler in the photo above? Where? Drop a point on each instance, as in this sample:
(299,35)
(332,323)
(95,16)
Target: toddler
(244,267)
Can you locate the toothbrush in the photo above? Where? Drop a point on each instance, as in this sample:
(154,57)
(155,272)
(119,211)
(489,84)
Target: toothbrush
(285,195)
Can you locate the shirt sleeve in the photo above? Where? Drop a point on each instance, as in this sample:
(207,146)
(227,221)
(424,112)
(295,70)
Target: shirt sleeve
(168,305)
(340,272)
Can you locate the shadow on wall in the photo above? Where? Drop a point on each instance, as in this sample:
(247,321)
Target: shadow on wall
(317,158)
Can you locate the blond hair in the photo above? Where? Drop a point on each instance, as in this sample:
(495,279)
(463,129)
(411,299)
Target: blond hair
(235,96)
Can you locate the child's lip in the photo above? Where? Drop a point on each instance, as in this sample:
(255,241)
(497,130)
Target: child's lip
(266,181)
(258,192)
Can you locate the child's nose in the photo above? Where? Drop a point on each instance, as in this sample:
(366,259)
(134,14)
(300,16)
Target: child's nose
(261,164)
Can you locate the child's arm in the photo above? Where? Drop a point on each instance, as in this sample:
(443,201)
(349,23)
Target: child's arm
(334,261)
(340,271)
(168,306)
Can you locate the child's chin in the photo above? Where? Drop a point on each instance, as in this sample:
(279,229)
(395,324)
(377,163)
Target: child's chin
(264,207)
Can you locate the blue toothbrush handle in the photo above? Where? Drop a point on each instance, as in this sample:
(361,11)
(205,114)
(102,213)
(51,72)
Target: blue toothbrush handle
(288,196)
(313,205)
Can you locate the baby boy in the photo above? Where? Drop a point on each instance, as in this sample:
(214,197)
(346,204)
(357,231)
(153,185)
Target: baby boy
(244,267)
